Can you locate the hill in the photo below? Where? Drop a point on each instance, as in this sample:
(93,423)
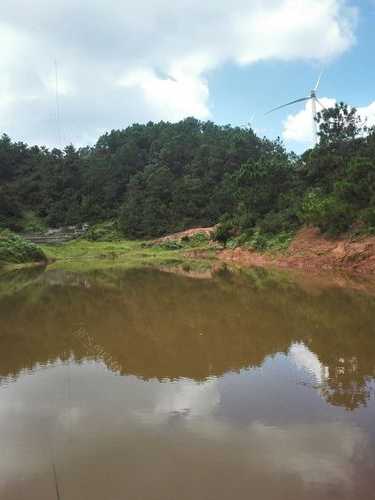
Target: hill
(162,178)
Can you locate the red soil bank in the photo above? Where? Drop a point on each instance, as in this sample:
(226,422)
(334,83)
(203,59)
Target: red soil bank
(312,251)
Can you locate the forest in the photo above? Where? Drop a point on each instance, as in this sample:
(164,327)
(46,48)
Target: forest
(160,178)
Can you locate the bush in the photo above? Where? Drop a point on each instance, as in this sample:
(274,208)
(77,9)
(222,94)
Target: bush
(368,218)
(328,212)
(31,223)
(170,245)
(277,222)
(196,239)
(16,250)
(106,231)
(271,242)
(224,232)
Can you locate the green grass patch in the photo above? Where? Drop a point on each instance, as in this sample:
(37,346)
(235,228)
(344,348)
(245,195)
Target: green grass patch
(88,255)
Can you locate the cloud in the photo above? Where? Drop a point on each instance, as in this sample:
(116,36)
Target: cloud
(105,416)
(368,113)
(298,127)
(121,62)
(171,98)
(308,361)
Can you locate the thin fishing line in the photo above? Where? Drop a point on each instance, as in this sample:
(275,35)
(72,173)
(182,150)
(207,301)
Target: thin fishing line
(57,99)
(56,482)
(51,459)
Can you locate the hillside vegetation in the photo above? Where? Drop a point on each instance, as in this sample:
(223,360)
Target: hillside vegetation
(16,250)
(161,178)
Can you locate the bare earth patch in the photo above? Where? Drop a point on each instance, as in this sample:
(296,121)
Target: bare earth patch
(312,251)
(188,233)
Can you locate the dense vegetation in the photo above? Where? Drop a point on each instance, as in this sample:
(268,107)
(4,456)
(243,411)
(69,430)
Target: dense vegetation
(158,178)
(16,250)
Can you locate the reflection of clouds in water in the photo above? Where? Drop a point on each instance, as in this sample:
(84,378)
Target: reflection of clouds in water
(71,416)
(306,360)
(319,453)
(188,397)
(107,409)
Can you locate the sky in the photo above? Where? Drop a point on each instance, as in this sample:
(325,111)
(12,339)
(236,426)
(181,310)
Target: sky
(71,70)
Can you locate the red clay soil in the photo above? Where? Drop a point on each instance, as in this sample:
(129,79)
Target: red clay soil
(188,233)
(313,252)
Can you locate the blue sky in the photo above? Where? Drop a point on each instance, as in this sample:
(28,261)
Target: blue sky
(239,93)
(120,62)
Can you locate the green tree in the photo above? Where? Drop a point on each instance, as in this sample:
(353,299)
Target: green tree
(339,124)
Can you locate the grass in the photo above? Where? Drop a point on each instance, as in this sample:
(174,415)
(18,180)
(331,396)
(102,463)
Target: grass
(86,255)
(103,260)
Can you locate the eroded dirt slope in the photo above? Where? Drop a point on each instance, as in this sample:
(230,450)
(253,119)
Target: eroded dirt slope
(312,251)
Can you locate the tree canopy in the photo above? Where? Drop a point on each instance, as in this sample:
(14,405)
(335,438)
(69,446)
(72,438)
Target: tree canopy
(162,177)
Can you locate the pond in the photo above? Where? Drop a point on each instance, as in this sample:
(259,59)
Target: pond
(146,384)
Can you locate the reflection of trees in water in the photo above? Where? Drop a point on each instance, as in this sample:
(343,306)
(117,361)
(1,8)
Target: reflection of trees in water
(94,350)
(12,282)
(346,385)
(158,325)
(344,342)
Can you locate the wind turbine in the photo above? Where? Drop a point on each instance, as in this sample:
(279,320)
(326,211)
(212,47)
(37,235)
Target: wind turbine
(314,101)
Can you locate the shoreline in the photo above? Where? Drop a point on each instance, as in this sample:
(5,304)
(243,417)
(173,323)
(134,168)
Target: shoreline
(312,252)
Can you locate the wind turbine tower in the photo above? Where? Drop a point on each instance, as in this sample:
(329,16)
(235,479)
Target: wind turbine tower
(314,101)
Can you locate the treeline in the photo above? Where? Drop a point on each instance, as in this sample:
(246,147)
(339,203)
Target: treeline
(161,177)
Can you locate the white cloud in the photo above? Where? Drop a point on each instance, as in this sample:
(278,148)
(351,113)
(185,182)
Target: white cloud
(160,51)
(368,113)
(298,127)
(171,98)
(299,29)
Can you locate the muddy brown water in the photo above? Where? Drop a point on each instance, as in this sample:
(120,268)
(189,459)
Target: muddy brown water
(149,385)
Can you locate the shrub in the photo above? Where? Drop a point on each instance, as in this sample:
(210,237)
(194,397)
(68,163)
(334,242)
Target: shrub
(270,242)
(224,232)
(368,218)
(196,239)
(170,245)
(328,212)
(277,222)
(16,250)
(31,223)
(106,231)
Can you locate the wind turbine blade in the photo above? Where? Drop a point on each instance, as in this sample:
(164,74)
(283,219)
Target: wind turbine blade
(320,103)
(288,104)
(318,82)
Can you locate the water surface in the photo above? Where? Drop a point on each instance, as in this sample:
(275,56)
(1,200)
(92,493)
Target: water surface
(144,384)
